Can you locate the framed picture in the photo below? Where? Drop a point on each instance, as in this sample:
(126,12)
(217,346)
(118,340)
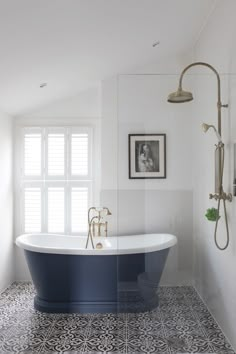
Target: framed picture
(147,156)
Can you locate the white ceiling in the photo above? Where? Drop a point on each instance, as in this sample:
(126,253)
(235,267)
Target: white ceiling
(74,44)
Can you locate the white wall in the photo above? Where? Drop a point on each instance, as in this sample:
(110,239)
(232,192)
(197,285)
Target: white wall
(215,270)
(138,104)
(6,220)
(85,104)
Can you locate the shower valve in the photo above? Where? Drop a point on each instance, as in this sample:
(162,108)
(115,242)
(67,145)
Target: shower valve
(223,196)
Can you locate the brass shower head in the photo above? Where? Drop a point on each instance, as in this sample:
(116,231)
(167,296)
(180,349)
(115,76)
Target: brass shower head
(180,96)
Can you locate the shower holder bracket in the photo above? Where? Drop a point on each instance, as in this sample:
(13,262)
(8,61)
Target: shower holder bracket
(224,105)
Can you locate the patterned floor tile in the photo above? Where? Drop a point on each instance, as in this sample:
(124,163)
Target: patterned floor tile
(181,324)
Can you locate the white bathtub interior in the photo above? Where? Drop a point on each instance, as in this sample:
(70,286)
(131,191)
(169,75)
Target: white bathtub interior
(76,245)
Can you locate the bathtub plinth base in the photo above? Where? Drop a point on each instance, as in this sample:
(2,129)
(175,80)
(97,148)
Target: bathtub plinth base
(130,305)
(74,307)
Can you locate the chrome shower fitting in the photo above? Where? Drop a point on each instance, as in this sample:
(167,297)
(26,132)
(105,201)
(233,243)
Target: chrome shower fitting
(181,96)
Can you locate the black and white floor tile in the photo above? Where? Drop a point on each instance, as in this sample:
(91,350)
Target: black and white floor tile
(181,324)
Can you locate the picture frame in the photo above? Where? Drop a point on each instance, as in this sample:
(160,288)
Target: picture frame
(147,156)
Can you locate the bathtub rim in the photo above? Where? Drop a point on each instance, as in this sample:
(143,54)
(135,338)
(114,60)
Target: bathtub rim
(21,242)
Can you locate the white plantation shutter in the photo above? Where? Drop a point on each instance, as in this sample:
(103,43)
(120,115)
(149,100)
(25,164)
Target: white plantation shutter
(54,161)
(32,209)
(56,154)
(79,209)
(32,154)
(56,209)
(79,154)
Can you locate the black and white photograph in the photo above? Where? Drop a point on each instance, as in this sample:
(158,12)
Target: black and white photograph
(147,156)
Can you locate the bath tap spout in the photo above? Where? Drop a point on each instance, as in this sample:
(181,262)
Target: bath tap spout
(107,210)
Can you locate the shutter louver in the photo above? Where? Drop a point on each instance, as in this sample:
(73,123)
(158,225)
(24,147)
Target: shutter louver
(32,209)
(79,154)
(79,209)
(56,154)
(56,214)
(32,154)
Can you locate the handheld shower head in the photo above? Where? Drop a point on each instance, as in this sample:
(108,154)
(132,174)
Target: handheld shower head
(205,128)
(107,210)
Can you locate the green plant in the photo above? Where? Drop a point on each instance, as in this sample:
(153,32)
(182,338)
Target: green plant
(212,214)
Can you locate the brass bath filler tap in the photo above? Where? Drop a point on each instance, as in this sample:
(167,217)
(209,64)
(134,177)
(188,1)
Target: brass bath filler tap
(96,223)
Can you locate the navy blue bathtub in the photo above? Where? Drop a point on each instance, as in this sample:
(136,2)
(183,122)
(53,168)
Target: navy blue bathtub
(117,278)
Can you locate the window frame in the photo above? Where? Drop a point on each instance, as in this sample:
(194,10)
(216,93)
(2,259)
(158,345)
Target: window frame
(91,181)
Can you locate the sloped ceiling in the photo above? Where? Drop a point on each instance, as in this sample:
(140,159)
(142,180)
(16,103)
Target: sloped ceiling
(74,44)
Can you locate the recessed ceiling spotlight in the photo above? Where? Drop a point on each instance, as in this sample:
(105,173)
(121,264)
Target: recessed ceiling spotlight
(44,84)
(155,44)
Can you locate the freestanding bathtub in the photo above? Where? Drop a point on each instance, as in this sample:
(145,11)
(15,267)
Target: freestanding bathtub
(123,276)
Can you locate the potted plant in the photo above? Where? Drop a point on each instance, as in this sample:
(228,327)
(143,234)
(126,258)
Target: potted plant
(212,214)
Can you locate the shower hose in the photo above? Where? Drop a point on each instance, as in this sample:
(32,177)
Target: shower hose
(221,198)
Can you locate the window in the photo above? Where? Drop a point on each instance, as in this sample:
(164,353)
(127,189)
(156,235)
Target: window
(32,209)
(32,154)
(56,209)
(79,153)
(55,179)
(56,154)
